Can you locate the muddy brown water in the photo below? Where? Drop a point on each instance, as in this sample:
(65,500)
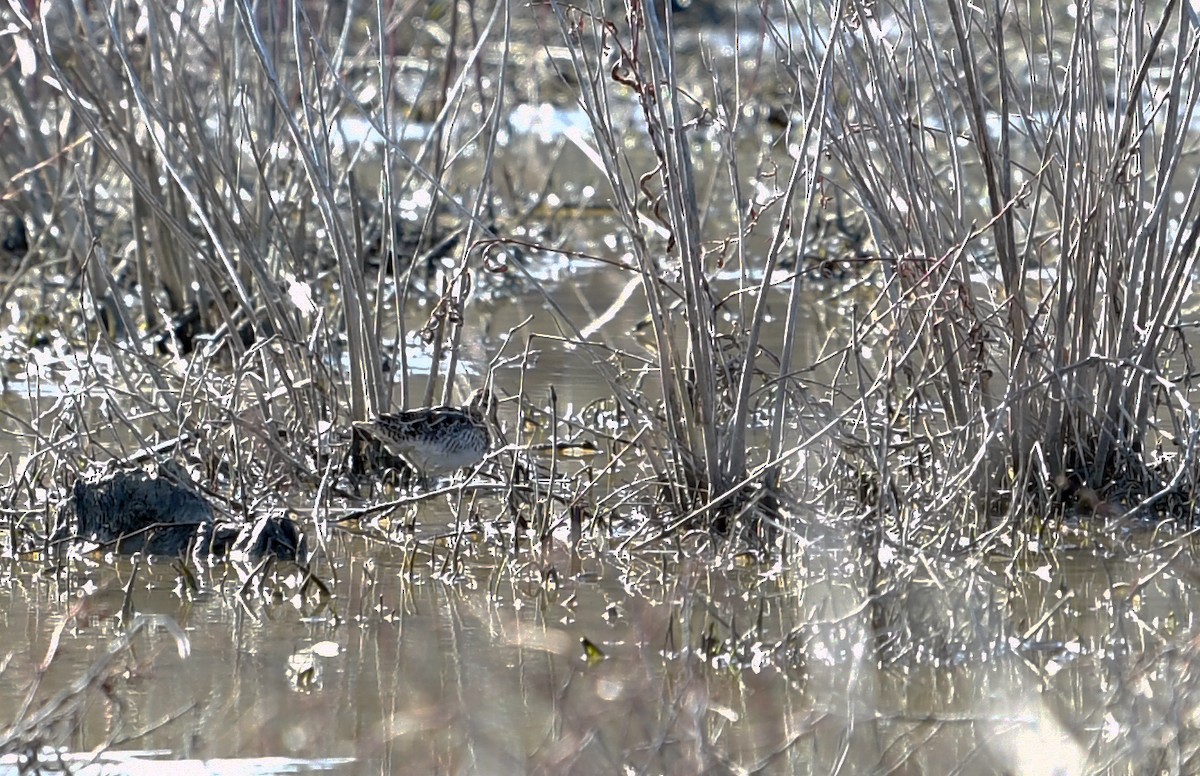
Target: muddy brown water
(407,671)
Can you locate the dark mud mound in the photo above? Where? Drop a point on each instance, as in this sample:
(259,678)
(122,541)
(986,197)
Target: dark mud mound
(136,512)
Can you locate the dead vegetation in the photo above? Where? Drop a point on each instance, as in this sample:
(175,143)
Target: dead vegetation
(921,273)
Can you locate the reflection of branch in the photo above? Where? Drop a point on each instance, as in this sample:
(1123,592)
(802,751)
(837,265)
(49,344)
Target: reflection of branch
(30,730)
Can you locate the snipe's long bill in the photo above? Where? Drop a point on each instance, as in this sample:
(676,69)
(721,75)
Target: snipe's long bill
(437,440)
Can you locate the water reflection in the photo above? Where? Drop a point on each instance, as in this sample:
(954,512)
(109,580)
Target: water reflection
(700,670)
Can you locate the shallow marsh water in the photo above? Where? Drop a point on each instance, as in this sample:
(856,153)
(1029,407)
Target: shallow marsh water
(408,670)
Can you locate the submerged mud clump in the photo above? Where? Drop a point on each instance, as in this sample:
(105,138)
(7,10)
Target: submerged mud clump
(136,512)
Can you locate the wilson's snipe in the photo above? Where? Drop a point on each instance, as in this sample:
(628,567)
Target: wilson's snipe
(437,440)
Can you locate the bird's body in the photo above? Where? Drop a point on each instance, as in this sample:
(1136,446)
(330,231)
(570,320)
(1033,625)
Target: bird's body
(436,440)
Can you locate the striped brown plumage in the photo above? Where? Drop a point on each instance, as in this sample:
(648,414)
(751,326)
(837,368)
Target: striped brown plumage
(437,440)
